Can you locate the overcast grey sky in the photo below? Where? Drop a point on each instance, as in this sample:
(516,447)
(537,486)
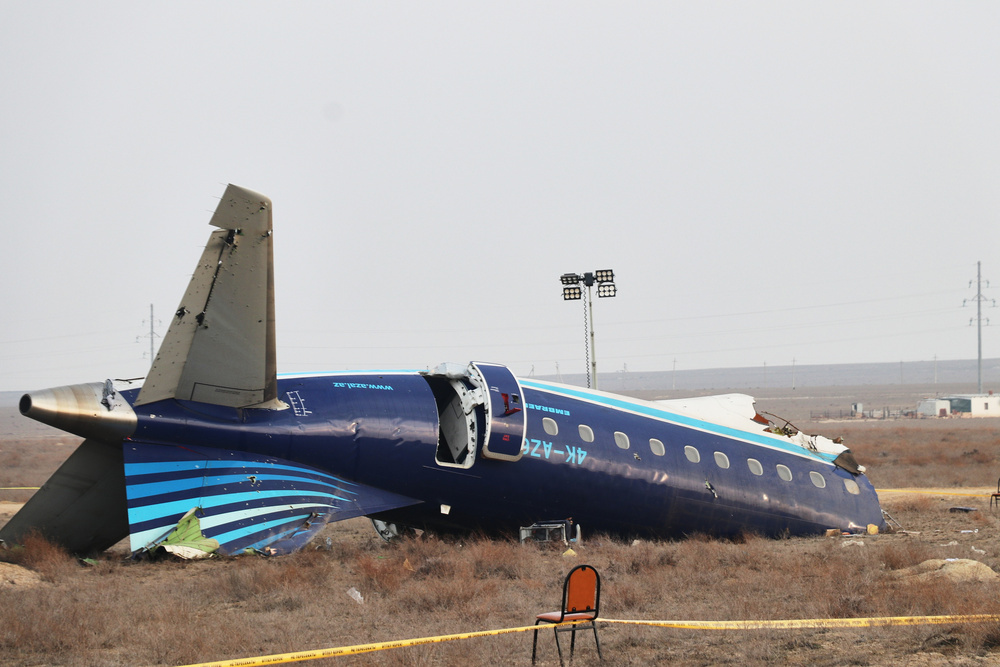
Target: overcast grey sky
(770,181)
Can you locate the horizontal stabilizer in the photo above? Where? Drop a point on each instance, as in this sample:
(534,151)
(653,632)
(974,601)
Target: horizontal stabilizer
(82,506)
(242,500)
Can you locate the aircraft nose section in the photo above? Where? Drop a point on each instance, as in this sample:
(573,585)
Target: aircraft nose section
(93,410)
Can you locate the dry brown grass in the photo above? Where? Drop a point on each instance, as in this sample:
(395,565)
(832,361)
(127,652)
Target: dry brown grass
(119,612)
(167,613)
(939,453)
(30,461)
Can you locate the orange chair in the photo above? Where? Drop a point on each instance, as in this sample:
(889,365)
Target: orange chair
(581,602)
(995,497)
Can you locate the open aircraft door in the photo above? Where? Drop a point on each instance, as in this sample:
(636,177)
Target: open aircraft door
(505,415)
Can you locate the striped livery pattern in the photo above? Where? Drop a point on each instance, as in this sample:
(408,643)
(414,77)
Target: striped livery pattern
(243,500)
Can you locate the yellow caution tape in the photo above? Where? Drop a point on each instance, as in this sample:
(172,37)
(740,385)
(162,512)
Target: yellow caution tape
(367,648)
(19,488)
(686,625)
(881,621)
(935,492)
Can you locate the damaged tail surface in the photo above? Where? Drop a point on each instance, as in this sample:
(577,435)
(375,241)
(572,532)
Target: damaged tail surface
(220,345)
(219,349)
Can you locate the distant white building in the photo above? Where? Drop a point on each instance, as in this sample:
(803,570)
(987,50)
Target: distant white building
(934,407)
(972,405)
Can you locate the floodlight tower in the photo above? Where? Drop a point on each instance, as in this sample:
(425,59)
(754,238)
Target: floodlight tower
(605,280)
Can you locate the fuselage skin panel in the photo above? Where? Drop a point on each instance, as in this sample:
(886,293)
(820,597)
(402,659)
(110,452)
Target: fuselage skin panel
(382,430)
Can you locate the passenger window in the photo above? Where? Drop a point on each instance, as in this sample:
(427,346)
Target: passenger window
(656,447)
(784,473)
(818,480)
(721,460)
(621,440)
(755,467)
(852,487)
(692,454)
(586,433)
(550,425)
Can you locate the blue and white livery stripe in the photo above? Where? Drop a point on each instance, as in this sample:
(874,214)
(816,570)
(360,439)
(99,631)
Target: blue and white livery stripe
(647,409)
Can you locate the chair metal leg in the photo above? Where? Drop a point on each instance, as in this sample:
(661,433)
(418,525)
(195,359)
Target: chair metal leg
(534,644)
(598,641)
(558,647)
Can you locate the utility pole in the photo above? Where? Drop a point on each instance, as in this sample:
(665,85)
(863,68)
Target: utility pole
(979,298)
(152,335)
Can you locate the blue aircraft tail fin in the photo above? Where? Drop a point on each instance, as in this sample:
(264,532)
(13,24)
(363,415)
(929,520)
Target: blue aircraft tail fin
(241,500)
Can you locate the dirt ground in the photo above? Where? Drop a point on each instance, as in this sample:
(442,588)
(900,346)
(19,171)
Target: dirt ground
(935,479)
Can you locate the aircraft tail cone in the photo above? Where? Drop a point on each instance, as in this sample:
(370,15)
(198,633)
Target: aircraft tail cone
(93,410)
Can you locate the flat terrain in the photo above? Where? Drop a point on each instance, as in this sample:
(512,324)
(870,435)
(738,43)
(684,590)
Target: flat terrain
(54,610)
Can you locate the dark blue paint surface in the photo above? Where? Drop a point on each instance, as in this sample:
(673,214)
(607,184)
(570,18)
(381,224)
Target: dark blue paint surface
(381,431)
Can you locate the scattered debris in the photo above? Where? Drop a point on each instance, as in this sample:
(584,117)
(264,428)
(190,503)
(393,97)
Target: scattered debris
(355,595)
(569,553)
(963,509)
(978,551)
(186,539)
(891,520)
(558,530)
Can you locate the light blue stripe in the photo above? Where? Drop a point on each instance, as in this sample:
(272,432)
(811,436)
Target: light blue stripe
(136,491)
(271,539)
(143,539)
(252,515)
(156,467)
(278,498)
(234,535)
(322,374)
(659,413)
(163,466)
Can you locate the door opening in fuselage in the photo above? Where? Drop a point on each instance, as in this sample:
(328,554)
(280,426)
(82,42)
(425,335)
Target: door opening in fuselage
(461,422)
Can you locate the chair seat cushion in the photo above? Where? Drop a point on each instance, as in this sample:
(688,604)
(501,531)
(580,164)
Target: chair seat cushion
(554,616)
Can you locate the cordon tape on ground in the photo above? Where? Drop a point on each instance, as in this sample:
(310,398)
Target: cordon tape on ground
(935,492)
(812,623)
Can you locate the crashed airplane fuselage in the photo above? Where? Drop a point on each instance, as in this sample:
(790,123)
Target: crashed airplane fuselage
(260,461)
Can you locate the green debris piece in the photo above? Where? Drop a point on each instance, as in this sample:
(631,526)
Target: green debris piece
(187,540)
